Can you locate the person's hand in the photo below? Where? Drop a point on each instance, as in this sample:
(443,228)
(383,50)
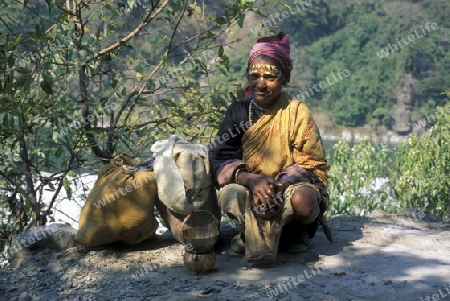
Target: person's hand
(263,188)
(281,186)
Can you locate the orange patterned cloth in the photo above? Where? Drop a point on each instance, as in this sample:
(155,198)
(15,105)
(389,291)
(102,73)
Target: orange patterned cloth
(288,135)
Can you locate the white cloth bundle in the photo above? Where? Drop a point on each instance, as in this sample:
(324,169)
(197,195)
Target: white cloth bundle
(182,174)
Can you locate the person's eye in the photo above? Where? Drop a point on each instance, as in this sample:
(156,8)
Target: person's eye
(270,77)
(253,76)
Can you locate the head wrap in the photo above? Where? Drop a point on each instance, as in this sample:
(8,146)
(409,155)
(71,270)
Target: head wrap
(276,46)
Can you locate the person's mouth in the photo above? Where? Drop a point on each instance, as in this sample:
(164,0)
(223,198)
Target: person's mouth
(260,93)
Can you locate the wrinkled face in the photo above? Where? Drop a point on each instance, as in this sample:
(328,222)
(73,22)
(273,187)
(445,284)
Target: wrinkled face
(265,81)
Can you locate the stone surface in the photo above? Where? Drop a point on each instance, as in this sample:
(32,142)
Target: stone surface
(385,257)
(52,238)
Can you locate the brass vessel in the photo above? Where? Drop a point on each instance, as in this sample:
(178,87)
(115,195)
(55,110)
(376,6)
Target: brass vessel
(199,263)
(199,233)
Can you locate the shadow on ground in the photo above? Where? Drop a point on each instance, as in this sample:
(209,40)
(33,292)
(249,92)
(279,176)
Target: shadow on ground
(385,258)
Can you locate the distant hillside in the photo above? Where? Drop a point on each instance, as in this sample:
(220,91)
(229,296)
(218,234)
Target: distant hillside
(396,55)
(395,52)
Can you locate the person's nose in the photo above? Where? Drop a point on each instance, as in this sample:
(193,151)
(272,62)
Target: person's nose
(261,82)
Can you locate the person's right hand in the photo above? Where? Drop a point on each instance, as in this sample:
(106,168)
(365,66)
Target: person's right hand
(281,187)
(263,188)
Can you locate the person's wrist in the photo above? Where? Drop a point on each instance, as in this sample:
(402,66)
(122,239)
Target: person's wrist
(284,184)
(240,174)
(238,171)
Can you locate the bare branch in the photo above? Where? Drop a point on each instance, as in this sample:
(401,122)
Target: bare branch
(55,195)
(176,27)
(150,16)
(3,21)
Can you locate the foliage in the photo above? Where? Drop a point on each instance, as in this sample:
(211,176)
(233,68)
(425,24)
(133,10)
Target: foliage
(357,179)
(413,174)
(85,80)
(330,35)
(423,166)
(82,81)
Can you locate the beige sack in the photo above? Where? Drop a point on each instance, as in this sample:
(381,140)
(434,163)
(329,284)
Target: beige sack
(120,206)
(182,174)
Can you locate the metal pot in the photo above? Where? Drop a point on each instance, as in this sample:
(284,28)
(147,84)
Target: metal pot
(199,263)
(200,240)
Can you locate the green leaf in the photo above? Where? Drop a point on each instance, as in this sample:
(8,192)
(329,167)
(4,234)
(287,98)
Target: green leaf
(241,20)
(11,60)
(130,4)
(151,84)
(50,4)
(194,9)
(221,20)
(24,70)
(168,102)
(58,152)
(24,81)
(67,187)
(47,87)
(5,121)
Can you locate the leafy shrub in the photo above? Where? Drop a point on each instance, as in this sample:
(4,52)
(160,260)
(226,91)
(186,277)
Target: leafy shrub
(424,167)
(358,182)
(413,174)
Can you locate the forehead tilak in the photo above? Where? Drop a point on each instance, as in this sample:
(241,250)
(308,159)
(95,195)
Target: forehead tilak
(264,69)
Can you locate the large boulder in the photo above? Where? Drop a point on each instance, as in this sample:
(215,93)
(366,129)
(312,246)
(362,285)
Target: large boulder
(401,116)
(53,237)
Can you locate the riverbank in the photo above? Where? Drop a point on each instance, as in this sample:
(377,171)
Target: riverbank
(380,257)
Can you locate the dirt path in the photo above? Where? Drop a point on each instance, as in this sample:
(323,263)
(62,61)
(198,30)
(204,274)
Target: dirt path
(384,257)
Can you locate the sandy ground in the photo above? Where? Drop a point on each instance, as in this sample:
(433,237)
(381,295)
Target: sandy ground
(383,257)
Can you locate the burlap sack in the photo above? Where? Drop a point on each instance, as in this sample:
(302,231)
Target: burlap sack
(182,174)
(184,182)
(120,206)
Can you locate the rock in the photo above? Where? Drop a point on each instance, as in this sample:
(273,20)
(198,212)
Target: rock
(25,297)
(55,266)
(377,214)
(221,283)
(418,216)
(57,237)
(402,109)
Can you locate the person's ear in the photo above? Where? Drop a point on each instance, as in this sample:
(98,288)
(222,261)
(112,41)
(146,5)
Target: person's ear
(286,77)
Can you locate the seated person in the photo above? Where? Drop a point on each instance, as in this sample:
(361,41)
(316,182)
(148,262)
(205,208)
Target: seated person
(269,160)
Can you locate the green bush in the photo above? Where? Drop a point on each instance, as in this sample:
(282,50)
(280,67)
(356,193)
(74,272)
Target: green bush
(358,182)
(423,166)
(413,174)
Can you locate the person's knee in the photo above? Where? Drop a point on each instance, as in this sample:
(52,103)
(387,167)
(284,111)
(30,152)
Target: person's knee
(305,203)
(232,200)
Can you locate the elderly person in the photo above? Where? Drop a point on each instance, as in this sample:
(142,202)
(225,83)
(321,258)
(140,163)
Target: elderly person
(269,161)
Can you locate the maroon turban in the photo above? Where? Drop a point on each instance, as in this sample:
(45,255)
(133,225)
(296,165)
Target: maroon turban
(276,46)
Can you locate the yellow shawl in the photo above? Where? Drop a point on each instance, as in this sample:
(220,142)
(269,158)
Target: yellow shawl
(285,136)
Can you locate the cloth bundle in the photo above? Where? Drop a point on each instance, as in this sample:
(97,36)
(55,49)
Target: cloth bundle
(184,182)
(183,175)
(120,206)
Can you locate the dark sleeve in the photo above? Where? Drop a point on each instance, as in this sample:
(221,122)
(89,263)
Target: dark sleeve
(227,144)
